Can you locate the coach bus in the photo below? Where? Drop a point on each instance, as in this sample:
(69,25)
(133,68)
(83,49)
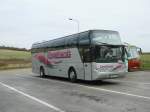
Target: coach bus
(89,55)
(133,54)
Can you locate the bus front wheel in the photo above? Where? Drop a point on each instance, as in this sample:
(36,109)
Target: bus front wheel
(42,72)
(72,75)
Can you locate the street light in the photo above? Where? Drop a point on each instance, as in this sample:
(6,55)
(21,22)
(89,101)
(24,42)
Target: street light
(75,20)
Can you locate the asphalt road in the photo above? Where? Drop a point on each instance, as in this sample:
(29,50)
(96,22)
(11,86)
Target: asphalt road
(23,91)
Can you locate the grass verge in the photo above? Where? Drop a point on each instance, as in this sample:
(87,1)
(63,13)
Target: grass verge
(145,61)
(11,59)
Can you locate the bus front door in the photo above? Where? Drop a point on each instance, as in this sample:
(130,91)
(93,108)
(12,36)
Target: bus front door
(87,64)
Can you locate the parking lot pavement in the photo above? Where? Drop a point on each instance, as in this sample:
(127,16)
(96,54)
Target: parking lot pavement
(23,91)
(11,101)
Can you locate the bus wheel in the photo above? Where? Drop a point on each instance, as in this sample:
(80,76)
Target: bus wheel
(42,72)
(72,75)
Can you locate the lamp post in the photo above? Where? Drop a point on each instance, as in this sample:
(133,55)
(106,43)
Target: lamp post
(75,20)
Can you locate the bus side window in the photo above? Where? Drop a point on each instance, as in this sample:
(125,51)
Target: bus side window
(60,43)
(84,39)
(71,41)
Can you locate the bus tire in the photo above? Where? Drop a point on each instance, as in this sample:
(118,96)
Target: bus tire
(72,75)
(42,72)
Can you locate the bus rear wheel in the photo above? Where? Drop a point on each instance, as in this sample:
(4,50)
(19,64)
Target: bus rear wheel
(42,72)
(72,75)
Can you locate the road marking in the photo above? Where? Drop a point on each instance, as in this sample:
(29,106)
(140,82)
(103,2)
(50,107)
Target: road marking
(32,97)
(95,88)
(117,92)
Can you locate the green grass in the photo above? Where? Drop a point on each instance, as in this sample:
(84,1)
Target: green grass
(10,59)
(13,54)
(145,59)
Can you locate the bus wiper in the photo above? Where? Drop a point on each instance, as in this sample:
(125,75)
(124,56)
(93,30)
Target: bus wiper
(108,44)
(104,43)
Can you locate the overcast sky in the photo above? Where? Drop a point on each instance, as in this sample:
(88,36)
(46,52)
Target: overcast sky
(23,22)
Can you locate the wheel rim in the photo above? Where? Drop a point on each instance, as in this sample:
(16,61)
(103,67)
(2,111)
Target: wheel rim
(41,73)
(72,75)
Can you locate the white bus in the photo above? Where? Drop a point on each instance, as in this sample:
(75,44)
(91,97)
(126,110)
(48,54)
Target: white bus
(89,55)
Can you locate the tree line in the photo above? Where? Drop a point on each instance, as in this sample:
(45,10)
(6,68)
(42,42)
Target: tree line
(14,48)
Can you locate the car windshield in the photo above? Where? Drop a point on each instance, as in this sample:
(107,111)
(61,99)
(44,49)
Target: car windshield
(109,37)
(109,54)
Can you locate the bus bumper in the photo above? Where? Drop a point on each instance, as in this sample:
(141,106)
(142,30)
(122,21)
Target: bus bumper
(107,75)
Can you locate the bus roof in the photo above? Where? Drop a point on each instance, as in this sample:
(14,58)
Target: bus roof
(130,45)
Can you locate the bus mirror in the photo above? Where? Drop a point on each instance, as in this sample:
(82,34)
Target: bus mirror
(139,50)
(128,54)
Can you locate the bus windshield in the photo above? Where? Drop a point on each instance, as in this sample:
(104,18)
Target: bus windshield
(109,37)
(109,54)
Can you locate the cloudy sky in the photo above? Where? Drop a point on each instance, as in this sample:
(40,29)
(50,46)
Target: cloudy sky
(23,22)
